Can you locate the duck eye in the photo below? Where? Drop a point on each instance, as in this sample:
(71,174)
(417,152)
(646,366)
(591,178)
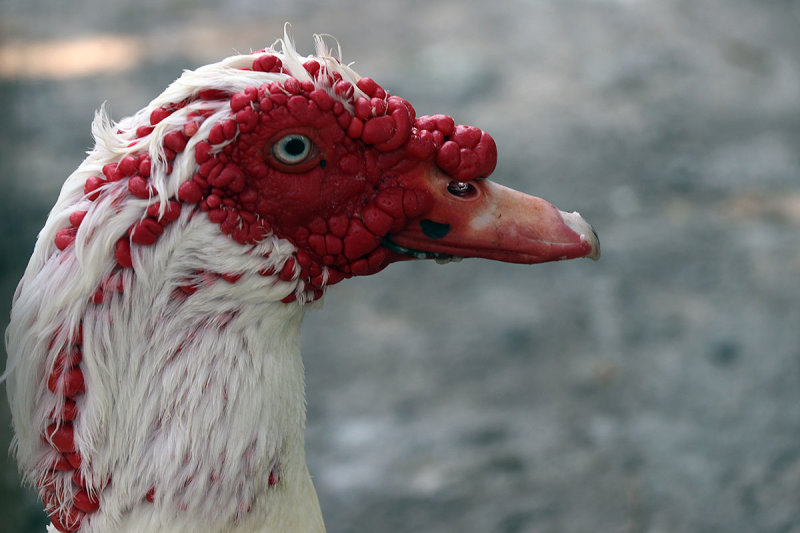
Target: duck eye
(292,149)
(461,189)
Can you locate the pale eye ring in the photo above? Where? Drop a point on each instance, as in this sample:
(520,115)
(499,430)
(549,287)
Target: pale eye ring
(292,149)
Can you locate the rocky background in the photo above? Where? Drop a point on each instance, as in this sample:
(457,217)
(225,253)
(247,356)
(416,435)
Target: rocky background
(657,390)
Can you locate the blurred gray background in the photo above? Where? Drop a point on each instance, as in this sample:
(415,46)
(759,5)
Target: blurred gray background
(657,390)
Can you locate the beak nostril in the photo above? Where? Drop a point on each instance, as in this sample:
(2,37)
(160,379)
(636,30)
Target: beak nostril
(434,230)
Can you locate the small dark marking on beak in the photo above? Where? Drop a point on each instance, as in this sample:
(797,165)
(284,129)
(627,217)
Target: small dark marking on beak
(434,230)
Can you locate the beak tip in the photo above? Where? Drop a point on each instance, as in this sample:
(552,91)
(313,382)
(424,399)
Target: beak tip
(594,242)
(576,223)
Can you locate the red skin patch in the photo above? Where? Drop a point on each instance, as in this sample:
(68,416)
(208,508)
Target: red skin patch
(362,178)
(60,437)
(66,380)
(357,183)
(85,502)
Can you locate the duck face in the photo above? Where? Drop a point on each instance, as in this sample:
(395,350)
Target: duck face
(355,180)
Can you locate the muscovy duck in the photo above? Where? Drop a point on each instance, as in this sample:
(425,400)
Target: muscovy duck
(154,372)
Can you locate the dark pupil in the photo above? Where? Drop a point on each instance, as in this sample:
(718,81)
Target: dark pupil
(295,146)
(458,187)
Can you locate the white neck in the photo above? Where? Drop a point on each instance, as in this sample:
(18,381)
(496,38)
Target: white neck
(198,396)
(211,438)
(218,432)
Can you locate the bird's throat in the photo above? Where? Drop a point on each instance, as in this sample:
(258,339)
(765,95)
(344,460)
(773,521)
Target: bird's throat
(218,441)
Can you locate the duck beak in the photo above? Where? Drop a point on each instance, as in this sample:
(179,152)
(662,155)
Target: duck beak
(481,218)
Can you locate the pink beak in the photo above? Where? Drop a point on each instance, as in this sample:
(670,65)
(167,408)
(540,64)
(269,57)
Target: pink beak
(480,218)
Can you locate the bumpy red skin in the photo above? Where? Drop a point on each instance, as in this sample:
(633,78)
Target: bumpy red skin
(366,176)
(363,179)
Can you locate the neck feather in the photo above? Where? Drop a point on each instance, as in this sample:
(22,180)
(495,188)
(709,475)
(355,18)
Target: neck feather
(193,414)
